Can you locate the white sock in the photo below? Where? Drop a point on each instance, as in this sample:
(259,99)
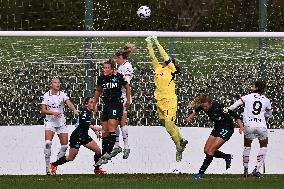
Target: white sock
(260,157)
(124,131)
(117,132)
(246,154)
(62,151)
(47,151)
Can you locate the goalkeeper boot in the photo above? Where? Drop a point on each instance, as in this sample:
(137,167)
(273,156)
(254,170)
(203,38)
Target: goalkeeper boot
(228,161)
(115,151)
(53,169)
(126,153)
(183,144)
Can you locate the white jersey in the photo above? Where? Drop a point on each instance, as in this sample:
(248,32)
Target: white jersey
(127,71)
(55,103)
(255,108)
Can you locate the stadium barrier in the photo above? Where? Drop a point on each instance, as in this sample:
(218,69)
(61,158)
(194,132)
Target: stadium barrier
(152,151)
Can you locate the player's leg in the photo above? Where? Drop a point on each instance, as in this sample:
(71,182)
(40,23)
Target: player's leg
(112,124)
(92,145)
(105,131)
(124,131)
(62,133)
(49,134)
(246,153)
(71,156)
(221,136)
(207,160)
(263,142)
(105,137)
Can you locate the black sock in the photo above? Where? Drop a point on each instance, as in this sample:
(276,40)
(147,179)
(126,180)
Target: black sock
(112,139)
(105,145)
(207,160)
(219,154)
(96,159)
(60,161)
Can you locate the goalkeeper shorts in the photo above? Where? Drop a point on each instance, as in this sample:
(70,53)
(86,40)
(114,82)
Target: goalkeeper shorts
(167,109)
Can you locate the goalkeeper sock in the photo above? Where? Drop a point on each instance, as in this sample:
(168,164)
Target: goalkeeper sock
(207,161)
(246,154)
(260,158)
(170,127)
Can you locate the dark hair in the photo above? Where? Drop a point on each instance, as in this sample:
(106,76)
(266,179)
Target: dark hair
(111,63)
(260,85)
(86,100)
(177,68)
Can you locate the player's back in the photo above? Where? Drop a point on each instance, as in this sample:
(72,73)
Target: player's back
(255,106)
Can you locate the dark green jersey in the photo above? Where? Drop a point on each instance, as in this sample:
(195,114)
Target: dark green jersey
(84,121)
(218,116)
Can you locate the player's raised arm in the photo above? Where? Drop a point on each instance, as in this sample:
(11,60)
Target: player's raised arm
(151,52)
(166,58)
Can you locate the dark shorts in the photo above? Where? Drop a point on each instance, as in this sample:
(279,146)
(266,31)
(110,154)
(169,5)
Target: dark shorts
(77,140)
(224,133)
(112,110)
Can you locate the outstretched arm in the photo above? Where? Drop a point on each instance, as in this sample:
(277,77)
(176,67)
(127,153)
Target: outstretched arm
(151,52)
(236,104)
(164,54)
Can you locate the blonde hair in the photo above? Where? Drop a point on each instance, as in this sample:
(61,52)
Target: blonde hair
(200,100)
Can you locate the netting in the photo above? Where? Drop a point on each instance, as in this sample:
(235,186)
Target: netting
(224,68)
(180,15)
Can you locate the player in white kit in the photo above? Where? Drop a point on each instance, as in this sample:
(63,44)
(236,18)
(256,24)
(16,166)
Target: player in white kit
(257,108)
(125,68)
(52,105)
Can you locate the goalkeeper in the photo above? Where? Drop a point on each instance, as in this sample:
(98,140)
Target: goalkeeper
(164,75)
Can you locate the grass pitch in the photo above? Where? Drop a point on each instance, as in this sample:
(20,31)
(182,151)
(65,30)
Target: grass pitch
(133,181)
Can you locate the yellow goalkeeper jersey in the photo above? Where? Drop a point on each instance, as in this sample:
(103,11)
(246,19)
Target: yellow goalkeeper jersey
(165,86)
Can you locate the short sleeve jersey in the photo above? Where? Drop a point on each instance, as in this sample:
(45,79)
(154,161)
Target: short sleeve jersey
(111,86)
(55,103)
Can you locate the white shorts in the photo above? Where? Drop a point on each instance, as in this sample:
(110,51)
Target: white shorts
(252,132)
(50,126)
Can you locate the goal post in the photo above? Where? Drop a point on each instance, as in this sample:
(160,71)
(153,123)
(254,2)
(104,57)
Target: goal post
(220,64)
(141,34)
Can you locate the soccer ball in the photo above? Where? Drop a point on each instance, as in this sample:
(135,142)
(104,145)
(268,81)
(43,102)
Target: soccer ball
(144,12)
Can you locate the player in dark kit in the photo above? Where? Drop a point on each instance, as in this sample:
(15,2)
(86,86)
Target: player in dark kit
(109,86)
(222,131)
(80,137)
